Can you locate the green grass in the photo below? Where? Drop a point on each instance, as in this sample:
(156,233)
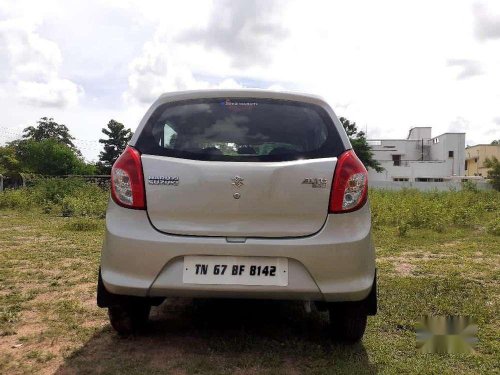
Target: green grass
(48,271)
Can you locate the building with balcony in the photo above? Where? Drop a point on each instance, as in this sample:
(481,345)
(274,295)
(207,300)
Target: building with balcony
(475,157)
(420,157)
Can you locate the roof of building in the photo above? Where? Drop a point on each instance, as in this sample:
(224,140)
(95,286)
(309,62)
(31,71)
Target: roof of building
(483,144)
(410,140)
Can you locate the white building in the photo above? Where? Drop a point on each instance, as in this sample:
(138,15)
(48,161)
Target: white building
(420,157)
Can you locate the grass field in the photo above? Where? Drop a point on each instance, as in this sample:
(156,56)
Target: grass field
(49,322)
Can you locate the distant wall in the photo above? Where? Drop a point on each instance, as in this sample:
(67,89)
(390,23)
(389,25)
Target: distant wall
(412,170)
(425,186)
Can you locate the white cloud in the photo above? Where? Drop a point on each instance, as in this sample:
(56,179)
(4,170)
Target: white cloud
(469,68)
(229,83)
(459,125)
(487,21)
(276,87)
(247,31)
(156,72)
(53,93)
(31,66)
(221,43)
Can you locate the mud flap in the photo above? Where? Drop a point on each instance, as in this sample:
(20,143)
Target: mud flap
(108,299)
(370,303)
(372,299)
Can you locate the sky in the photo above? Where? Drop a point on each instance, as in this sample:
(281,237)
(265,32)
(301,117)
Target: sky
(387,65)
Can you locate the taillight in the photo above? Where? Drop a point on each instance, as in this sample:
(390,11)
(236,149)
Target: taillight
(350,184)
(127,182)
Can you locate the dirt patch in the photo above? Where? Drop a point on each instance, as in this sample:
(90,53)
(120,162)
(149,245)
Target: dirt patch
(18,228)
(406,264)
(451,244)
(412,257)
(33,239)
(404,269)
(44,298)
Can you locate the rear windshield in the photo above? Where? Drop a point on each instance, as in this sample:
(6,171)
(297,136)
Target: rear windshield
(240,130)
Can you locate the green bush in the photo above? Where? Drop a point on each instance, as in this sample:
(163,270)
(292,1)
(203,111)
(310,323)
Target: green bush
(494,227)
(88,201)
(470,186)
(81,225)
(403,228)
(16,199)
(439,225)
(433,210)
(53,190)
(67,197)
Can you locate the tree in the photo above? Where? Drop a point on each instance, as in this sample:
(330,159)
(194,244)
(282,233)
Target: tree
(49,157)
(494,171)
(360,145)
(8,160)
(496,142)
(45,149)
(47,128)
(118,138)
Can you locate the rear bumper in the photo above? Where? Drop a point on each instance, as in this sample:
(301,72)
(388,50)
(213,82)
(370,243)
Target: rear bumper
(335,264)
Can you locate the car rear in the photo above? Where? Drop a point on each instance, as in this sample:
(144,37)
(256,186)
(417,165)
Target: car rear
(239,194)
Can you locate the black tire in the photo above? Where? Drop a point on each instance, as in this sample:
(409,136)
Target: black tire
(348,321)
(127,320)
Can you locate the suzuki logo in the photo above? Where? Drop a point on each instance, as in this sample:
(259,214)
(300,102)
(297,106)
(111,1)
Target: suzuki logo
(237,182)
(163,180)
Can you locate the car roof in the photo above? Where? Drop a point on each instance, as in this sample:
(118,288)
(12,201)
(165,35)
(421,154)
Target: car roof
(240,93)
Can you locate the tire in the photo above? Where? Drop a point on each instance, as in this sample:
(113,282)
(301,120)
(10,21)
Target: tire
(348,321)
(127,320)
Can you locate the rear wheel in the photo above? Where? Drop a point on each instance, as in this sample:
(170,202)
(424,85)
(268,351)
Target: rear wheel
(348,321)
(128,319)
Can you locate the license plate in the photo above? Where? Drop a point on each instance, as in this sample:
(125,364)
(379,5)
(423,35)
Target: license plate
(235,270)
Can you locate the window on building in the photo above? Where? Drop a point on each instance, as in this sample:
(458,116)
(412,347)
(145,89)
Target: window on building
(435,140)
(450,154)
(466,165)
(428,179)
(396,160)
(400,179)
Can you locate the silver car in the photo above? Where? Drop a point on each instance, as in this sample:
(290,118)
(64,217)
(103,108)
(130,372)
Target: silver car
(239,194)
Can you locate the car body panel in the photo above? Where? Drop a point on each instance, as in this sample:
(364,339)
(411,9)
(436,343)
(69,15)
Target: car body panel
(141,261)
(272,200)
